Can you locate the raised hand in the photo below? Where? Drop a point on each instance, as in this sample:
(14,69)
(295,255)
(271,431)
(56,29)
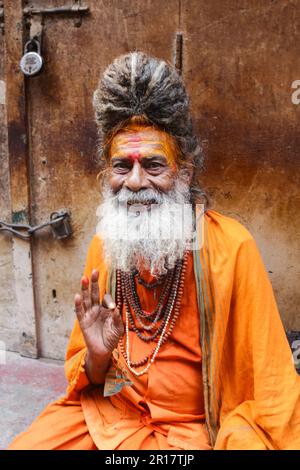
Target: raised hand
(101,325)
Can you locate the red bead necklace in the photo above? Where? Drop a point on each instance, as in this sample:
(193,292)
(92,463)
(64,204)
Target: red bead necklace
(167,310)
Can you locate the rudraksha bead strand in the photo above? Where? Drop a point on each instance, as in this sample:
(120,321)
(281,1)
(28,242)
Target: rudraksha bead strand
(174,306)
(166,311)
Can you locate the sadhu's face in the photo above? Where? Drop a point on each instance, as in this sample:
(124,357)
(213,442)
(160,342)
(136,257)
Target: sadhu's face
(142,158)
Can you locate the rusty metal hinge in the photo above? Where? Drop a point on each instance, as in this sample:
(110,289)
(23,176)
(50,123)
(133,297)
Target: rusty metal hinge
(59,223)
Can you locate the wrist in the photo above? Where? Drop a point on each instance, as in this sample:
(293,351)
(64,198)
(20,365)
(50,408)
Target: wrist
(96,358)
(96,366)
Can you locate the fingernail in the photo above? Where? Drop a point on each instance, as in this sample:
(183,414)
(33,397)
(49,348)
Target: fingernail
(85,281)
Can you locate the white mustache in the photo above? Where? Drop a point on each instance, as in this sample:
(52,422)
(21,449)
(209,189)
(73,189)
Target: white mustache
(143,196)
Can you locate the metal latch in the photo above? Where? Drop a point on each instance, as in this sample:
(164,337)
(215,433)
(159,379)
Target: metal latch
(76,9)
(59,223)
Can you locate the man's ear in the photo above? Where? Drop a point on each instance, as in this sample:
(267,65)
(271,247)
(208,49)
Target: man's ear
(187,172)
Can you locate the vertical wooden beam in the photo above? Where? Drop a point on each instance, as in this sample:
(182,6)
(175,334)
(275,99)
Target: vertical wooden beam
(19,174)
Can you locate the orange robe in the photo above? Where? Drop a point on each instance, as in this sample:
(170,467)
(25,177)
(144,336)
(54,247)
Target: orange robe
(163,409)
(241,382)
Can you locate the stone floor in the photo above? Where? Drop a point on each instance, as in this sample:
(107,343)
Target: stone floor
(26,387)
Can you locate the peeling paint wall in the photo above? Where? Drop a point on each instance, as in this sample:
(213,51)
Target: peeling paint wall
(239,60)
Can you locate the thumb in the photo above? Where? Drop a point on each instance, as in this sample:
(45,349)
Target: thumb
(108,302)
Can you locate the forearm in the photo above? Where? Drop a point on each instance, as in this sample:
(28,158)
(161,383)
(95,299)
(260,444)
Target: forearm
(96,367)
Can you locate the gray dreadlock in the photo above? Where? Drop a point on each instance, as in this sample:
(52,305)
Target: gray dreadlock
(138,85)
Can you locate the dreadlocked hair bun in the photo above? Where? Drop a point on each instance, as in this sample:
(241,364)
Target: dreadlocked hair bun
(136,85)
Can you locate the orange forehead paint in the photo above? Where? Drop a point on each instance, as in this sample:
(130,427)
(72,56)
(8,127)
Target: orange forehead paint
(134,138)
(138,141)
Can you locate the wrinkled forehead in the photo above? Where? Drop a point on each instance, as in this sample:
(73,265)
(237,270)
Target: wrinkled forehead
(145,141)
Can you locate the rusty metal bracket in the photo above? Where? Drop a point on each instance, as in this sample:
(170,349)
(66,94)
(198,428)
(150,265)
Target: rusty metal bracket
(59,223)
(75,9)
(36,29)
(178,52)
(1,18)
(29,12)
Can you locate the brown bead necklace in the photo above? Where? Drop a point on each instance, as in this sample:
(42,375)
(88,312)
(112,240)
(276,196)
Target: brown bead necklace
(167,310)
(148,285)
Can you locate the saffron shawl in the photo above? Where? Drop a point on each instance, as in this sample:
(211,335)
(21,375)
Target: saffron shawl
(251,388)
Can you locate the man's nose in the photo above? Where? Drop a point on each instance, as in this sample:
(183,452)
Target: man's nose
(136,178)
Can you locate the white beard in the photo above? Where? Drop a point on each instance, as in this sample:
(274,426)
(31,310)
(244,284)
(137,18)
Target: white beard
(151,236)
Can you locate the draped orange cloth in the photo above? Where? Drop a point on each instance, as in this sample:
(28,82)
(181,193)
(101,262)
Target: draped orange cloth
(165,404)
(162,409)
(241,381)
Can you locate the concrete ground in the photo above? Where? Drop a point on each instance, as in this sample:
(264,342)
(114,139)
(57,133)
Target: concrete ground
(26,387)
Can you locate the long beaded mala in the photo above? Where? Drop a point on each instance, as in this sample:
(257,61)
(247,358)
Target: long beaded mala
(167,310)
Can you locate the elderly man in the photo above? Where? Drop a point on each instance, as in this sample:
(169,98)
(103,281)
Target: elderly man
(178,343)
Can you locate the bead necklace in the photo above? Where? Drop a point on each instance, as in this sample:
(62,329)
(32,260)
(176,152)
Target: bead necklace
(132,299)
(148,285)
(164,308)
(168,306)
(136,302)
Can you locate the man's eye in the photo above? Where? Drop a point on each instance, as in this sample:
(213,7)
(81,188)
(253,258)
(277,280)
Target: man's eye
(121,165)
(154,165)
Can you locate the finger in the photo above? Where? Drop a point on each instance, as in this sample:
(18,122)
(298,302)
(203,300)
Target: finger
(78,307)
(108,302)
(85,293)
(95,287)
(117,319)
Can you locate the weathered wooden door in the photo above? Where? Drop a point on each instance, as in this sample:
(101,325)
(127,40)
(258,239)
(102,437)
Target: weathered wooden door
(238,60)
(54,110)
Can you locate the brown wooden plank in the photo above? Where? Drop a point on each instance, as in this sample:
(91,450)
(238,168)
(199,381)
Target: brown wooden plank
(8,309)
(19,175)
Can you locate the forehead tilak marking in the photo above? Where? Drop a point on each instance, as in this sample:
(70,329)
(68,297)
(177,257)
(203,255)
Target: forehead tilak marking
(144,146)
(134,156)
(156,140)
(134,138)
(138,136)
(141,141)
